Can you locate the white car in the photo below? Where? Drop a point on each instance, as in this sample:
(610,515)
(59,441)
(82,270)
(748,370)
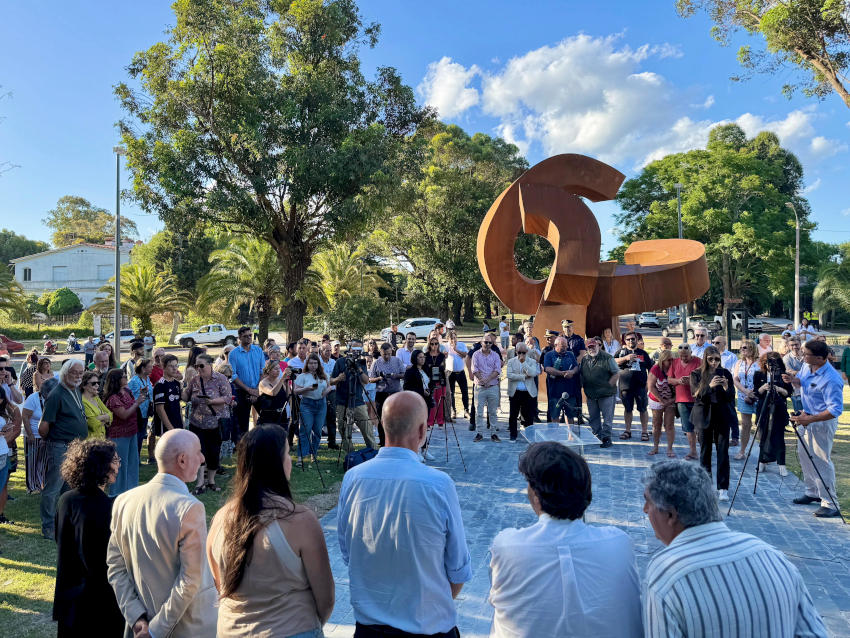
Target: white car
(648,319)
(421,326)
(754,324)
(127,336)
(211,334)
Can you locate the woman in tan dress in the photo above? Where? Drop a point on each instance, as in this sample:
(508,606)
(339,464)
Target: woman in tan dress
(267,554)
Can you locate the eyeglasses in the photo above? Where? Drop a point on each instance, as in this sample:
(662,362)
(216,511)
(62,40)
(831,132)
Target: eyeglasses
(745,347)
(684,348)
(717,343)
(715,359)
(94,382)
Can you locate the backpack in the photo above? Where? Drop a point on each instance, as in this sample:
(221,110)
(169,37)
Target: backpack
(355,458)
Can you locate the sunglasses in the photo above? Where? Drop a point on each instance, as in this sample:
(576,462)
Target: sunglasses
(715,359)
(200,366)
(630,339)
(684,348)
(94,382)
(717,343)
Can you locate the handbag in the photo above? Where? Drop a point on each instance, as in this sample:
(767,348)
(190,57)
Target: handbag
(353,459)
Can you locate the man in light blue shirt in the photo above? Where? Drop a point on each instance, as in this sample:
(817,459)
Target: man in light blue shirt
(247,363)
(822,394)
(401,533)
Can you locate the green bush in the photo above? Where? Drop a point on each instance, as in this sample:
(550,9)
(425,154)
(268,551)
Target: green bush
(63,301)
(35,331)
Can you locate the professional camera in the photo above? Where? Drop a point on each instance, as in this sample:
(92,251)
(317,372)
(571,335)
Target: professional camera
(436,377)
(354,362)
(296,370)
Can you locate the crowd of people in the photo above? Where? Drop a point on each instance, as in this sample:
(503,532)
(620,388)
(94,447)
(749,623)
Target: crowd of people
(263,569)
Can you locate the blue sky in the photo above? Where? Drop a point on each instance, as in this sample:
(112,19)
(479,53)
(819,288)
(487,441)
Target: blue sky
(625,82)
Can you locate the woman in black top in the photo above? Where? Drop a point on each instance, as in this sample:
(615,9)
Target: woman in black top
(414,381)
(772,442)
(84,603)
(714,396)
(271,404)
(435,368)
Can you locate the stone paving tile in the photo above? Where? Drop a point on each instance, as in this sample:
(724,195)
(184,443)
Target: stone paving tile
(492,497)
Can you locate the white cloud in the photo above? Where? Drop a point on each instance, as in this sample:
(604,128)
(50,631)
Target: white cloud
(812,187)
(846,212)
(446,87)
(595,95)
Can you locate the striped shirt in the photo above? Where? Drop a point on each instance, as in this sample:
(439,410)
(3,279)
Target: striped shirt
(711,581)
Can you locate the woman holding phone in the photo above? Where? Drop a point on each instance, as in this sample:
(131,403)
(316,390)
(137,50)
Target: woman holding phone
(122,430)
(714,391)
(312,387)
(271,404)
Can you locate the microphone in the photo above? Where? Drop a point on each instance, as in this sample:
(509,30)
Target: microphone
(563,400)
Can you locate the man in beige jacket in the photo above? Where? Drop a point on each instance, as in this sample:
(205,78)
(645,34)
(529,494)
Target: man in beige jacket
(522,390)
(155,558)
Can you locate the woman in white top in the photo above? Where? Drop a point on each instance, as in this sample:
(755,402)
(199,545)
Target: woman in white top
(312,386)
(35,448)
(611,345)
(742,376)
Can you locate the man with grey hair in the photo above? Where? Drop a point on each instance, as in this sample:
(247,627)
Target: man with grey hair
(697,586)
(401,533)
(156,557)
(62,420)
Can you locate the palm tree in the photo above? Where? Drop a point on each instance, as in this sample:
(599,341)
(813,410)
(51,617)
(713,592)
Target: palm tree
(144,293)
(343,272)
(833,287)
(12,297)
(245,272)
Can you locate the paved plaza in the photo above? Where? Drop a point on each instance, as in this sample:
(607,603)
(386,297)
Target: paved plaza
(492,497)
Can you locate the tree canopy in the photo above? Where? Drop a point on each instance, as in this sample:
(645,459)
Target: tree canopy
(255,115)
(183,254)
(734,200)
(63,301)
(813,35)
(13,246)
(75,221)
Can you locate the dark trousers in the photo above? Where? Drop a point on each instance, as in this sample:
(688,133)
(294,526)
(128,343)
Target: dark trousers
(522,403)
(384,631)
(330,418)
(242,412)
(459,378)
(89,358)
(718,434)
(380,397)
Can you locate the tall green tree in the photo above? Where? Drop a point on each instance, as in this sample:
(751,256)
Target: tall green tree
(13,246)
(734,201)
(246,272)
(255,115)
(342,272)
(812,35)
(75,221)
(63,301)
(144,293)
(186,255)
(833,288)
(433,226)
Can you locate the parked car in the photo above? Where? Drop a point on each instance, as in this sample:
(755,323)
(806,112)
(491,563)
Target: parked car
(648,319)
(211,334)
(696,321)
(127,336)
(421,326)
(10,345)
(754,324)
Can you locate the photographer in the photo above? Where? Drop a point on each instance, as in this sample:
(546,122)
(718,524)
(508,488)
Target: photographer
(435,368)
(821,391)
(713,414)
(312,386)
(772,442)
(387,372)
(271,404)
(349,377)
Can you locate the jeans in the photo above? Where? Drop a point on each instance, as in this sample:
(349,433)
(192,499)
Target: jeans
(797,402)
(242,412)
(716,433)
(600,414)
(89,359)
(459,378)
(505,342)
(128,473)
(521,403)
(141,433)
(54,485)
(312,419)
(488,397)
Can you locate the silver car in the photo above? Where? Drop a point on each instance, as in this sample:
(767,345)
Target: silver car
(420,326)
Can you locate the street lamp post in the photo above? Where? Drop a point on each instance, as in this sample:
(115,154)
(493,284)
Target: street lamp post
(684,307)
(116,328)
(796,266)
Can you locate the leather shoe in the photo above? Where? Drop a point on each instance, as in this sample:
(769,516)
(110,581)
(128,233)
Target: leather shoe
(826,512)
(805,499)
(606,442)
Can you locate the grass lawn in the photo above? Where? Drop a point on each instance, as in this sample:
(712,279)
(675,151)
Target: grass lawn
(28,562)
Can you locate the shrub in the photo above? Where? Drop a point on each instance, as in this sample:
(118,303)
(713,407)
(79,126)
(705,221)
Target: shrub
(63,302)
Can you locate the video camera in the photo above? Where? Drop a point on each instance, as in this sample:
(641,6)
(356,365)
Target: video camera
(354,362)
(296,371)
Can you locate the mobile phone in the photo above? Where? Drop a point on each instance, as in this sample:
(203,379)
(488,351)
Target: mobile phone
(316,385)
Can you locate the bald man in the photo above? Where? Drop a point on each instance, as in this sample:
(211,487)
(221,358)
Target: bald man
(155,558)
(401,534)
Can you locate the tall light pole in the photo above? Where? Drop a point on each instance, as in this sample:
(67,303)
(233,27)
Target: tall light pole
(796,267)
(116,328)
(684,308)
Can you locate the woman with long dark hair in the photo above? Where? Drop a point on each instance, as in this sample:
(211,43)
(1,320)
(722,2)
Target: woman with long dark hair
(43,372)
(267,554)
(28,369)
(84,603)
(123,429)
(743,373)
(435,368)
(313,388)
(714,390)
(416,379)
(772,441)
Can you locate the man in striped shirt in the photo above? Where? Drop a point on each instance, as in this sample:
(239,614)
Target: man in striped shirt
(709,580)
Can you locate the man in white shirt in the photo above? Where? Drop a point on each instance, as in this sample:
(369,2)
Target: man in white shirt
(409,346)
(700,342)
(727,358)
(301,352)
(561,577)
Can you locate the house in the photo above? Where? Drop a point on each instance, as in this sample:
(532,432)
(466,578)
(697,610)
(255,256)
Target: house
(84,268)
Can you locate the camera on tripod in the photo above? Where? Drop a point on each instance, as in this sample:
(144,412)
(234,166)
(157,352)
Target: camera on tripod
(436,377)
(354,363)
(295,370)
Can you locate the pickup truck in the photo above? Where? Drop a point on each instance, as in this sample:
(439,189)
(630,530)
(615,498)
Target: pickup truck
(211,334)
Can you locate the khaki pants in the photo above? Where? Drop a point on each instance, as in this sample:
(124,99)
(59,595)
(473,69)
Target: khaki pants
(345,425)
(818,437)
(488,397)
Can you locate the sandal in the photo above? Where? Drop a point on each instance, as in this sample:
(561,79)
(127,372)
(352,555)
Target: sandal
(690,457)
(652,452)
(212,487)
(734,443)
(740,456)
(644,436)
(671,455)
(199,490)
(626,435)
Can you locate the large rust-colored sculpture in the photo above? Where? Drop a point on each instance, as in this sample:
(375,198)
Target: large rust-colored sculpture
(546,201)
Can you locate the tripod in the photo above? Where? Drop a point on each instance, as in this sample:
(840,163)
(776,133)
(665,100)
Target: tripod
(817,471)
(357,386)
(442,405)
(769,405)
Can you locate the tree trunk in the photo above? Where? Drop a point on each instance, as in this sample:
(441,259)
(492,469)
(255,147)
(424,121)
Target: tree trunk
(468,308)
(444,310)
(485,301)
(456,305)
(262,319)
(175,327)
(294,316)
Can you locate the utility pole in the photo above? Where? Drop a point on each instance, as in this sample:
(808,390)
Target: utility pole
(116,328)
(796,267)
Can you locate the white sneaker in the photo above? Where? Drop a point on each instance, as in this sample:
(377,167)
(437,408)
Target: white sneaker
(428,456)
(722,495)
(783,471)
(762,468)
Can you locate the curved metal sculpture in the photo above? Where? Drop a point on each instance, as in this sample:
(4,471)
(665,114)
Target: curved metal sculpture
(546,201)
